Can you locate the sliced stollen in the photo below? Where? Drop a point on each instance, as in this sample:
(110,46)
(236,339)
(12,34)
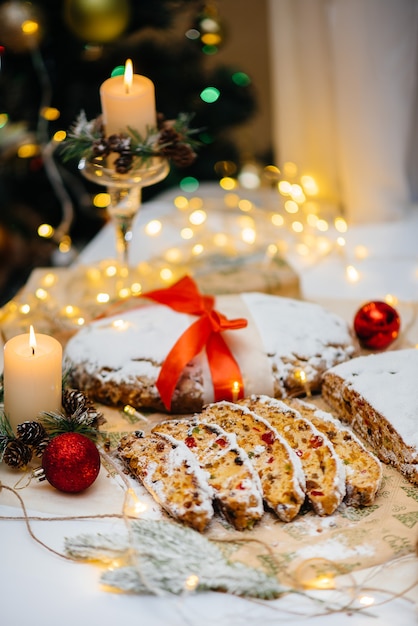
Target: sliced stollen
(324,471)
(235,483)
(377,395)
(172,475)
(280,470)
(362,468)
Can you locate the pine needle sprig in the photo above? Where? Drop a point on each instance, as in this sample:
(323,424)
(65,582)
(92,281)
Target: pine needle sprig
(81,137)
(6,434)
(81,421)
(5,427)
(165,557)
(172,139)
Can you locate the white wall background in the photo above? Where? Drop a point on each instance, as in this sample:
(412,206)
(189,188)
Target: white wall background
(344,82)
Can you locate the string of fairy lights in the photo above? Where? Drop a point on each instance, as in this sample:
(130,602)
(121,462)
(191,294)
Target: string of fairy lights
(260,210)
(291,214)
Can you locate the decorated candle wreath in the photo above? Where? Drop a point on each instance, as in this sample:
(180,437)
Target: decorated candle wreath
(171,139)
(63,442)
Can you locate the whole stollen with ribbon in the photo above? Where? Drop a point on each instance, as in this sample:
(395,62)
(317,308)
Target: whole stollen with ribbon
(179,349)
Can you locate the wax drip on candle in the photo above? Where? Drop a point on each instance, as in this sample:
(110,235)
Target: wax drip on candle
(32,339)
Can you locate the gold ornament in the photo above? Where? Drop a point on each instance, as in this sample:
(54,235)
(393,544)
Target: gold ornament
(21,26)
(97,21)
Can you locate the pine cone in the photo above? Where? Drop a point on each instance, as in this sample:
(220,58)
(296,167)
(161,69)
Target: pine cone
(114,142)
(17,454)
(100,147)
(124,163)
(39,448)
(119,143)
(30,433)
(75,401)
(160,120)
(168,135)
(182,155)
(72,399)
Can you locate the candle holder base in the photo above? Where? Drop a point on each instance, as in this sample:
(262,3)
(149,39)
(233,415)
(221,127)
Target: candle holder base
(125,195)
(142,174)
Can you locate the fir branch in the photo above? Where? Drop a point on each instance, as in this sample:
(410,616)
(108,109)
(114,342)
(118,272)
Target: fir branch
(80,138)
(81,422)
(163,558)
(5,427)
(172,140)
(6,434)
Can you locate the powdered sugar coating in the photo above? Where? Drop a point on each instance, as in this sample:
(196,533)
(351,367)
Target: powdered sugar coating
(327,417)
(117,360)
(388,381)
(176,458)
(131,345)
(250,488)
(303,329)
(337,475)
(172,475)
(299,482)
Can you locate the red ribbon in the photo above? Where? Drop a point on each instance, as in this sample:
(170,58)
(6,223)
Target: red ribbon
(184,297)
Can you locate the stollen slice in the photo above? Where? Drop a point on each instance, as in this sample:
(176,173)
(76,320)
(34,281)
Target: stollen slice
(172,475)
(235,483)
(324,471)
(363,469)
(279,468)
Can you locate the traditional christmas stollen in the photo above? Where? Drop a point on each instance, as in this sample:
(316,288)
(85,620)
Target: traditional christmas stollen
(352,539)
(153,357)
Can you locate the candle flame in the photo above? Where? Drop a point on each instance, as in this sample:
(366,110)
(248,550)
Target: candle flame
(128,75)
(32,339)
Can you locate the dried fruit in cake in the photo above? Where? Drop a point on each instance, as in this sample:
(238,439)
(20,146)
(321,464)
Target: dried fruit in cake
(324,471)
(235,483)
(170,473)
(378,396)
(280,470)
(362,468)
(117,360)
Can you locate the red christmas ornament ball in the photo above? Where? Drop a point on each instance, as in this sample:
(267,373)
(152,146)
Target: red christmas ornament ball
(376,325)
(71,462)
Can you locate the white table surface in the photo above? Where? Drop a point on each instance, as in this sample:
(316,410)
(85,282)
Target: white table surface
(37,587)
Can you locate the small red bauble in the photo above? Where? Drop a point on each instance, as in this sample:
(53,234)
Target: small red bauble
(376,325)
(71,462)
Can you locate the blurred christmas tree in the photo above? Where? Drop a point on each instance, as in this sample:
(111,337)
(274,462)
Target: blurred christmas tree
(54,55)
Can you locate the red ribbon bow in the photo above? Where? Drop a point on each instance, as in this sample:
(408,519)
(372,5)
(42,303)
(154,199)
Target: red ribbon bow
(184,297)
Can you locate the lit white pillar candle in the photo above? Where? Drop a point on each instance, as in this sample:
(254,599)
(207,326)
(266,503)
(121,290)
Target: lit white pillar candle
(32,377)
(128,100)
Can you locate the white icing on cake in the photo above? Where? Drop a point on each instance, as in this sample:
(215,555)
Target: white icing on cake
(388,381)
